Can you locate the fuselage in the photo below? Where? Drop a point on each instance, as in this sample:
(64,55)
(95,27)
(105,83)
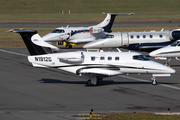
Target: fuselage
(136,40)
(105,63)
(74,34)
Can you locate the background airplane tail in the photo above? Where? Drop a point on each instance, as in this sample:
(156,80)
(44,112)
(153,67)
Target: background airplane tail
(34,43)
(109,20)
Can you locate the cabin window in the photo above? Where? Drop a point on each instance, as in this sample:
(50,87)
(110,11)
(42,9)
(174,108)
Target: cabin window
(101,58)
(132,36)
(138,36)
(150,36)
(109,58)
(144,36)
(92,58)
(116,58)
(141,57)
(160,36)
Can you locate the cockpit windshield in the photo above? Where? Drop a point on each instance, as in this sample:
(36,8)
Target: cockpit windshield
(57,31)
(108,36)
(176,43)
(141,57)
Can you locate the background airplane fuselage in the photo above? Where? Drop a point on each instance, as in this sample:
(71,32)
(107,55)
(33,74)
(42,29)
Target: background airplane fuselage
(147,40)
(170,51)
(74,34)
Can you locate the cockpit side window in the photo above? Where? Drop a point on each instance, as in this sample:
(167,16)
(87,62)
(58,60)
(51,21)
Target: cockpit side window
(141,57)
(57,31)
(144,57)
(136,57)
(175,43)
(108,36)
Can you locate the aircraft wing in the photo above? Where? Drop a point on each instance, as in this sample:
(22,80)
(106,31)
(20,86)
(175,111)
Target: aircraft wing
(76,41)
(100,70)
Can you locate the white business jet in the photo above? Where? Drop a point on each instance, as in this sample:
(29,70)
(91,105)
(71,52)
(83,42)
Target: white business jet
(141,41)
(167,53)
(93,65)
(82,34)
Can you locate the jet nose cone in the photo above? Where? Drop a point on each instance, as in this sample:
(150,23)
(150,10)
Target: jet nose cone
(168,70)
(46,38)
(153,54)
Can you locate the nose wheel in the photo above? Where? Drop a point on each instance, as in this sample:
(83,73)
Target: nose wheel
(153,81)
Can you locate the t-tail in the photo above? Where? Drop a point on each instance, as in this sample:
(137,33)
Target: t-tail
(109,20)
(34,43)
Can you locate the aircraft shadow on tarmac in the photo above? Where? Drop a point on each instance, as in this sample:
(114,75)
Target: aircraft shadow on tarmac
(174,65)
(103,83)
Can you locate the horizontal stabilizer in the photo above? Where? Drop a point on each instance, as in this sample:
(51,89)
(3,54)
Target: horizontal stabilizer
(34,43)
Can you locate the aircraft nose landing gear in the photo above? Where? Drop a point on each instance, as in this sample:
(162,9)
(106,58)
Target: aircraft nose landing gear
(154,81)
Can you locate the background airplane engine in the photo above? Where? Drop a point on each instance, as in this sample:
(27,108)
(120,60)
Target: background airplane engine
(174,34)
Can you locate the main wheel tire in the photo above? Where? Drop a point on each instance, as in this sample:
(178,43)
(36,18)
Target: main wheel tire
(70,46)
(89,83)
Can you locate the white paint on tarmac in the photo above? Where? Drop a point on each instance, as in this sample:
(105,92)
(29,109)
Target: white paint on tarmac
(142,80)
(13,52)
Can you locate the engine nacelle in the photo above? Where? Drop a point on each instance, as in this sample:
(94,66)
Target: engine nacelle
(174,34)
(72,57)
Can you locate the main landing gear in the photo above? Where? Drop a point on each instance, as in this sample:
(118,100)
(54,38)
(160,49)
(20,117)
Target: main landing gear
(167,62)
(93,81)
(68,46)
(153,81)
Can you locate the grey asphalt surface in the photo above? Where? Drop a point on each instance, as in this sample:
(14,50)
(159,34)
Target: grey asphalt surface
(28,93)
(23,25)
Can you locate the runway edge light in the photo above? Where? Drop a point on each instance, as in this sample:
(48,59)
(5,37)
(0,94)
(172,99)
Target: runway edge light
(91,113)
(168,111)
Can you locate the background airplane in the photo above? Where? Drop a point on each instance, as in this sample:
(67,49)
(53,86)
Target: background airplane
(93,65)
(167,53)
(82,34)
(144,41)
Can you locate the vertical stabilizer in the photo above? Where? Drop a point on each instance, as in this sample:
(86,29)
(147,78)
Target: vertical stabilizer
(33,49)
(109,20)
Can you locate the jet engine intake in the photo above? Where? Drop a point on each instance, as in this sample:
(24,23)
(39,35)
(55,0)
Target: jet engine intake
(175,34)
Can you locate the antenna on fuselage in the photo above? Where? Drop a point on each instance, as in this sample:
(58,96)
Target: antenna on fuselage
(118,50)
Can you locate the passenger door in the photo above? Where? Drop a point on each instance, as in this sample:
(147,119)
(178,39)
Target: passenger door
(125,39)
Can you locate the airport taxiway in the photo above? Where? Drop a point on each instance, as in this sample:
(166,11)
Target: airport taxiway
(140,24)
(28,93)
